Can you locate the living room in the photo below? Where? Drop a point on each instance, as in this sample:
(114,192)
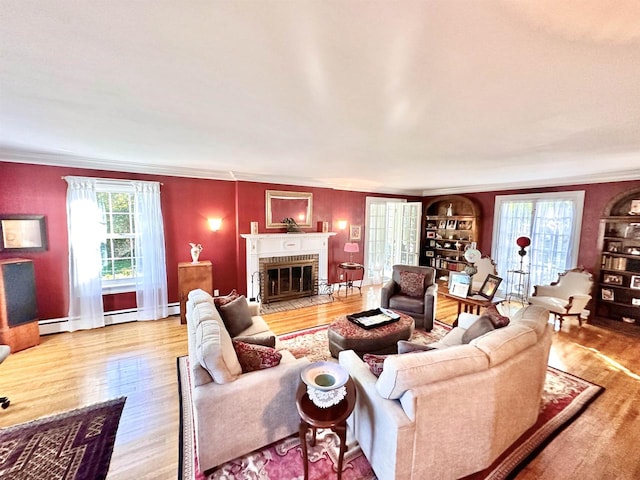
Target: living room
(32,165)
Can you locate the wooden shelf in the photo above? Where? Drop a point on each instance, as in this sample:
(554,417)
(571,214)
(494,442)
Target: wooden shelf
(435,231)
(618,268)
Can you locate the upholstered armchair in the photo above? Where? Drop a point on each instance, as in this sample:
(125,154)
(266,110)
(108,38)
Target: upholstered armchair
(412,290)
(566,297)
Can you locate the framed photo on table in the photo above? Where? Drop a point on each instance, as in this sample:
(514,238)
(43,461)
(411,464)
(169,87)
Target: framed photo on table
(490,286)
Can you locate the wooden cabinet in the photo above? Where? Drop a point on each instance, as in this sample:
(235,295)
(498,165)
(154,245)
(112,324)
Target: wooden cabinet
(190,277)
(451,224)
(617,292)
(18,307)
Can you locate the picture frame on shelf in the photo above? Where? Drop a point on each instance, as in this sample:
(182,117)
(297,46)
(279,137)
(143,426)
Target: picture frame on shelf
(431,234)
(432,225)
(614,246)
(635,301)
(632,231)
(451,224)
(607,294)
(635,282)
(635,207)
(465,224)
(442,224)
(430,253)
(612,279)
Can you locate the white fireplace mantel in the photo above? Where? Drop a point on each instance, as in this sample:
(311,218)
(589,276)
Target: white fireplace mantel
(265,245)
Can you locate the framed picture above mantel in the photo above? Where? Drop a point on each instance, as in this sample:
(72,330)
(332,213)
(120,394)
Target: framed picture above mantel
(23,233)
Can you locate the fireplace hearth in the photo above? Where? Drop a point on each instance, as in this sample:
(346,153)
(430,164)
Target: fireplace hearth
(285,278)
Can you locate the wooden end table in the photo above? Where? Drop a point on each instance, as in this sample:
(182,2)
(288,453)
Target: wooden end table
(350,270)
(334,417)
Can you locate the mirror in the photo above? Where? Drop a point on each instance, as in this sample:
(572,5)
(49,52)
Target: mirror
(281,205)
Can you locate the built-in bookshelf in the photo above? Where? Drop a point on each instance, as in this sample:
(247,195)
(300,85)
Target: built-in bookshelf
(617,296)
(451,223)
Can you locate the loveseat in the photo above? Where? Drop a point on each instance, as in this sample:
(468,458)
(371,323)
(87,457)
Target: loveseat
(451,411)
(235,413)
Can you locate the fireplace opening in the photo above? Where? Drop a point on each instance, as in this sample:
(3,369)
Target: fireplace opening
(285,278)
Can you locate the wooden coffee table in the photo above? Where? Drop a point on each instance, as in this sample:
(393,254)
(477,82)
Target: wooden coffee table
(334,417)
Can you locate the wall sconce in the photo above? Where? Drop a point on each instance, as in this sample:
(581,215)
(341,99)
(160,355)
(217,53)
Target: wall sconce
(342,224)
(214,224)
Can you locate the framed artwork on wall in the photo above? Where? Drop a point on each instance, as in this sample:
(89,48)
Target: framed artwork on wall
(23,233)
(355,232)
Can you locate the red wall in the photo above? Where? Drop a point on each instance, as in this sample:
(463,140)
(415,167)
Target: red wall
(188,202)
(597,196)
(186,205)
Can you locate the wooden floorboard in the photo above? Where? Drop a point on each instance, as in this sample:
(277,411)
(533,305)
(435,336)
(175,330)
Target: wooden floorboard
(70,370)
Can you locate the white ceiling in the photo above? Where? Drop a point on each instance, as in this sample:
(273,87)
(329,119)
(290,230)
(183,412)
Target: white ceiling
(408,96)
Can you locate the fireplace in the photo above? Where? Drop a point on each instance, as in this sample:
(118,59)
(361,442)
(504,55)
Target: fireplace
(298,261)
(284,278)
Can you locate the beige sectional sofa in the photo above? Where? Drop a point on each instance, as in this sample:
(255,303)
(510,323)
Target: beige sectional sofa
(451,411)
(234,412)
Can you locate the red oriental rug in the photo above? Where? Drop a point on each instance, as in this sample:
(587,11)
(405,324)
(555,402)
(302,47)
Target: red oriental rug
(565,397)
(74,445)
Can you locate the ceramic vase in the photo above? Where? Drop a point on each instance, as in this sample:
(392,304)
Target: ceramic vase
(195,252)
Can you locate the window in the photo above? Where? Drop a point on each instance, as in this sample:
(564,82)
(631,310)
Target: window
(393,235)
(118,248)
(551,220)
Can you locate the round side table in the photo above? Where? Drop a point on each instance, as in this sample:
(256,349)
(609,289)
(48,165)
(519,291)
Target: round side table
(313,417)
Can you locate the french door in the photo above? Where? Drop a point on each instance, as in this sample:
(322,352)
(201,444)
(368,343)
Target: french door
(393,236)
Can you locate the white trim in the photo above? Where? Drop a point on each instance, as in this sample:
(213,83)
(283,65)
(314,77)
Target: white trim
(61,325)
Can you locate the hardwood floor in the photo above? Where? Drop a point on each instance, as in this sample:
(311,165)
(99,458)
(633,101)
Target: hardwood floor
(138,360)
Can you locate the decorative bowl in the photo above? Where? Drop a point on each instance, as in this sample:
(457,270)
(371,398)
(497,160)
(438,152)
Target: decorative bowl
(324,376)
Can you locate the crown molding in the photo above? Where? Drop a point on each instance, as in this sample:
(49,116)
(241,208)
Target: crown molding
(605,177)
(76,161)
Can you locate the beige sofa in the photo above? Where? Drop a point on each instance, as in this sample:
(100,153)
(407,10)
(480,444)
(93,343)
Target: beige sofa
(235,413)
(452,411)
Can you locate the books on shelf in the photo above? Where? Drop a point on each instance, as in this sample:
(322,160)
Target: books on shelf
(614,263)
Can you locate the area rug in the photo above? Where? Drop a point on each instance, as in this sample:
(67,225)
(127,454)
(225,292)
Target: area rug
(564,398)
(74,445)
(296,303)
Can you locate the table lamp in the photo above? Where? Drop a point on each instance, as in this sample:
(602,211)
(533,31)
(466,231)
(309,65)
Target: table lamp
(351,248)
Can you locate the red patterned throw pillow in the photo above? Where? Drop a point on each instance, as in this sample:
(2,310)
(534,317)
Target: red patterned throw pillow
(375,362)
(412,284)
(255,357)
(496,317)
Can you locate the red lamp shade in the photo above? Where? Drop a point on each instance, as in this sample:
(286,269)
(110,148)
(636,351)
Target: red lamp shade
(523,242)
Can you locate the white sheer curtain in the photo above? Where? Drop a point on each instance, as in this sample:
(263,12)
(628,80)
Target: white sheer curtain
(85,262)
(151,270)
(551,220)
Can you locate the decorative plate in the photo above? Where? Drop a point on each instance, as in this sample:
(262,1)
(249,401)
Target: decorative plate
(324,376)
